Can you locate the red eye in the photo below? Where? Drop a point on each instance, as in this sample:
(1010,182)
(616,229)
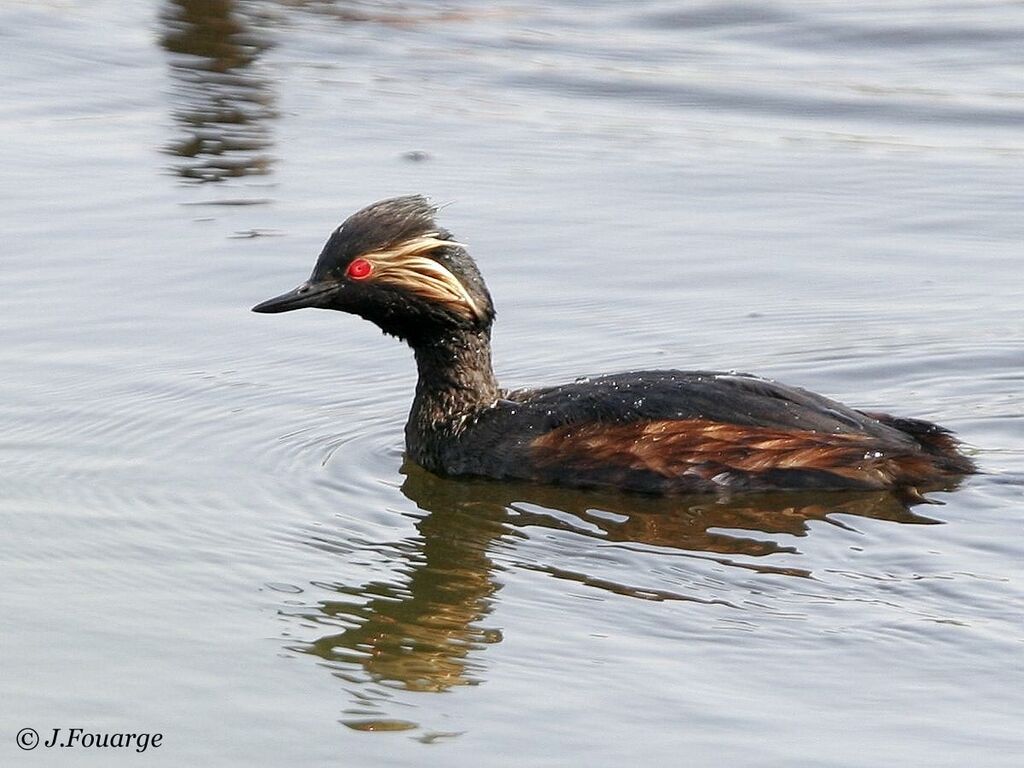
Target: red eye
(359,269)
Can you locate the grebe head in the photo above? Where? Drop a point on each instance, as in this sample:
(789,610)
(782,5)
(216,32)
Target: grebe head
(391,263)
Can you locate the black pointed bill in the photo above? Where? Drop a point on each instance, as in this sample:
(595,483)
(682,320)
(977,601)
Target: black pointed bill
(309,294)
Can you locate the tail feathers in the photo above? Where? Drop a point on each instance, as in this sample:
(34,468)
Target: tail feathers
(935,440)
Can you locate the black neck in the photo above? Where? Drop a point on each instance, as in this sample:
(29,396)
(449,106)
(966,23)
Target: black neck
(455,381)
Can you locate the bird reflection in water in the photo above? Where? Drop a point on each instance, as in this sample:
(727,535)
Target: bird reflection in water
(425,634)
(420,634)
(222,104)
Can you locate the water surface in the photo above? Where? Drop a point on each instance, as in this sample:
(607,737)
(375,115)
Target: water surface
(209,529)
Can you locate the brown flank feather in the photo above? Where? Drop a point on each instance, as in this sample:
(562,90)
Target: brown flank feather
(707,449)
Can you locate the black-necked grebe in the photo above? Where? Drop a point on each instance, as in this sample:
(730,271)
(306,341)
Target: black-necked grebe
(648,431)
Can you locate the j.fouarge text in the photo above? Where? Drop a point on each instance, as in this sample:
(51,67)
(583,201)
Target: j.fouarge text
(79,737)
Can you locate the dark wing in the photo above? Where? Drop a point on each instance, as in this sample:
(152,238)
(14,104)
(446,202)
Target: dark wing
(729,398)
(684,431)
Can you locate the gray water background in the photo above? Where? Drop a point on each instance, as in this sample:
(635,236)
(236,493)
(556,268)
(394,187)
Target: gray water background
(207,527)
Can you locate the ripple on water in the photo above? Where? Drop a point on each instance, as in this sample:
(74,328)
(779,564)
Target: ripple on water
(415,613)
(825,193)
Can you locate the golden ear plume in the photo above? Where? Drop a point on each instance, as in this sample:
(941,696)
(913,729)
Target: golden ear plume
(407,266)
